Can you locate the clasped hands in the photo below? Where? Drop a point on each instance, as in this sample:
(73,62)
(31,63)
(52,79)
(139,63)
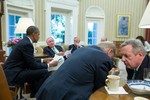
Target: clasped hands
(48,61)
(114,71)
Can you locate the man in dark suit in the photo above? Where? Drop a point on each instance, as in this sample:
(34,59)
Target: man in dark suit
(135,58)
(75,45)
(52,49)
(21,66)
(80,75)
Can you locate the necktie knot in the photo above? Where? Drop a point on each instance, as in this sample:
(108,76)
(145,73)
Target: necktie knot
(134,73)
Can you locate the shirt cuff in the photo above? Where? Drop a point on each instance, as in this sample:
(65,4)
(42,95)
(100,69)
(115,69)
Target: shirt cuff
(48,65)
(42,60)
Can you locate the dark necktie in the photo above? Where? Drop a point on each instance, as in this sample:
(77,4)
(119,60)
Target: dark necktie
(134,73)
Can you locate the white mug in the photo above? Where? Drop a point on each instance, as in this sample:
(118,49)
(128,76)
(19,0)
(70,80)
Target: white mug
(140,98)
(112,82)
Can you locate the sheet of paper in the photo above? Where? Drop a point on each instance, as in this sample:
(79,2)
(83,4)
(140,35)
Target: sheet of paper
(56,58)
(68,52)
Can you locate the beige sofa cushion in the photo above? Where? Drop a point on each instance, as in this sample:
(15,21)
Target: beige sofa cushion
(38,50)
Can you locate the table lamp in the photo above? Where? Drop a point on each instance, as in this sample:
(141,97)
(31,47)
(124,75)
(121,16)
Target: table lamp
(23,24)
(145,21)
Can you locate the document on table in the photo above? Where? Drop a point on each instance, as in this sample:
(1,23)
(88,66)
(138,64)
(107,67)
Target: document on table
(67,53)
(60,60)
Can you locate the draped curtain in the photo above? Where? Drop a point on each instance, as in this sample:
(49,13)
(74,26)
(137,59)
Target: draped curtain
(147,36)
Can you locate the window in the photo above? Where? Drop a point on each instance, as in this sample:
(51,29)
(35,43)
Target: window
(94,26)
(12,22)
(92,33)
(67,13)
(14,10)
(58,28)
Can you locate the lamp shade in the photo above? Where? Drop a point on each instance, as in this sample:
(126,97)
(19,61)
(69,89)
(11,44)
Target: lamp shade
(145,21)
(23,24)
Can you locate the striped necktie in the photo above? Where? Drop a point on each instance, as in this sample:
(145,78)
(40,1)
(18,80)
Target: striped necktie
(54,50)
(134,73)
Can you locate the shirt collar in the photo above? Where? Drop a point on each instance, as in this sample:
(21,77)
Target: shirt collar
(30,39)
(139,66)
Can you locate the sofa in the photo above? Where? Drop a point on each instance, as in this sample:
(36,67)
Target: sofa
(39,52)
(39,49)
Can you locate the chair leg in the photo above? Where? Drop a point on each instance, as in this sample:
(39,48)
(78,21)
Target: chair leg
(20,96)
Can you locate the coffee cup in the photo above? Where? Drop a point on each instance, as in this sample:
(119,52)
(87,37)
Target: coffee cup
(140,98)
(112,82)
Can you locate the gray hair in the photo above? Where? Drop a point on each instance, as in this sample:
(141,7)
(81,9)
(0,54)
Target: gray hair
(48,39)
(136,45)
(106,45)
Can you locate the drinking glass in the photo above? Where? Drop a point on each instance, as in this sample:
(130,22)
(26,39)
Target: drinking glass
(146,74)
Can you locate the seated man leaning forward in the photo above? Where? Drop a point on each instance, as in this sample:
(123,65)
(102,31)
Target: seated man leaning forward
(80,75)
(52,49)
(75,45)
(135,58)
(21,66)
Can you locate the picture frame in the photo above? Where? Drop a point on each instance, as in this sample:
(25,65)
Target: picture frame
(123,25)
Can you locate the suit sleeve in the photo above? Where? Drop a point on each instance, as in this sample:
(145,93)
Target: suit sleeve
(27,51)
(101,73)
(60,49)
(70,46)
(45,51)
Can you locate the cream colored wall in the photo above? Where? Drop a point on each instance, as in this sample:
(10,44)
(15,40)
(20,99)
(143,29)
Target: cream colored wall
(40,17)
(112,8)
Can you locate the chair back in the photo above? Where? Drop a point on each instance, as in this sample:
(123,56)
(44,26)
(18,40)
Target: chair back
(4,88)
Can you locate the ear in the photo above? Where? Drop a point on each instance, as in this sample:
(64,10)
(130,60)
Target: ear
(109,51)
(140,54)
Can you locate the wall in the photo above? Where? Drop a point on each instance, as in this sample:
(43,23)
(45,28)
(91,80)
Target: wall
(112,8)
(40,17)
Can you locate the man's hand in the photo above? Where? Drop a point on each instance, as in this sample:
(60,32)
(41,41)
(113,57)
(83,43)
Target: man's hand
(47,60)
(114,71)
(53,64)
(60,53)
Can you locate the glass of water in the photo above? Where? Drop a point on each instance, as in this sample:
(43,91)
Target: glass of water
(146,74)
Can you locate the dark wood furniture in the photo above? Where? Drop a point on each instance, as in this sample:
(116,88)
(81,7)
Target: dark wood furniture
(6,92)
(101,94)
(2,52)
(118,43)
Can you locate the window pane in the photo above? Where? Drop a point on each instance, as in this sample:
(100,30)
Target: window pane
(17,19)
(89,34)
(89,41)
(92,33)
(11,31)
(58,28)
(11,20)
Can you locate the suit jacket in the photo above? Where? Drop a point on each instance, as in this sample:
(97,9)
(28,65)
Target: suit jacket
(81,74)
(48,51)
(20,59)
(139,73)
(73,47)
